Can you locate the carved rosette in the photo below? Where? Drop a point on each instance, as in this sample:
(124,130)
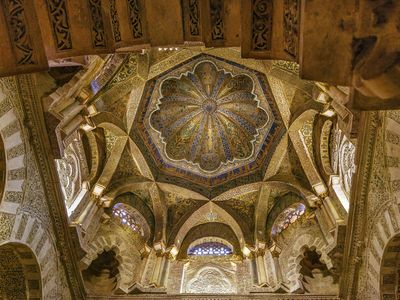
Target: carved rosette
(208,117)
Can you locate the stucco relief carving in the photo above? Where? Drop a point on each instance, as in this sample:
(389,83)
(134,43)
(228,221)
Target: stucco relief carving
(210,281)
(346,164)
(203,277)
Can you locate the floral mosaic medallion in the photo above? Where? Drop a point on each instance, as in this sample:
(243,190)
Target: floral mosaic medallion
(207,121)
(208,117)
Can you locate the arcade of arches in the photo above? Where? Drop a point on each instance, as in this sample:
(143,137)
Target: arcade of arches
(227,149)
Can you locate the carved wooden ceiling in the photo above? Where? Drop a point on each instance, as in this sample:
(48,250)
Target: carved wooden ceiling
(36,34)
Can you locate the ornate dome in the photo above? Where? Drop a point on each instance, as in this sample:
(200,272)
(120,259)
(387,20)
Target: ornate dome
(206,122)
(208,116)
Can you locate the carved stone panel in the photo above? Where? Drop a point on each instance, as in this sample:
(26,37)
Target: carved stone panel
(129,22)
(97,24)
(60,24)
(115,21)
(135,12)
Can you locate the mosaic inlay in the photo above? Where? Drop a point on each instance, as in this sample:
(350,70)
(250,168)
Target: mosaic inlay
(208,117)
(207,121)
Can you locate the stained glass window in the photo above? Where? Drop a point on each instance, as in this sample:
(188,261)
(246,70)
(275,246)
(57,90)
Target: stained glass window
(210,248)
(126,218)
(290,215)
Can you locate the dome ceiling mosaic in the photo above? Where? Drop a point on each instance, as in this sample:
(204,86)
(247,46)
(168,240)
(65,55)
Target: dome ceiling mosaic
(207,122)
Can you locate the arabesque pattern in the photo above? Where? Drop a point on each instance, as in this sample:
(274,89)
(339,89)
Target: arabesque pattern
(208,117)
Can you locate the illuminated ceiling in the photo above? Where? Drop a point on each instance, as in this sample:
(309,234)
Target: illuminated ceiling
(208,122)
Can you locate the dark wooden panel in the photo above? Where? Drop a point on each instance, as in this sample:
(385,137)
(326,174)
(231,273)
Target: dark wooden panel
(20,39)
(326,36)
(165,22)
(270,29)
(191,11)
(221,23)
(132,23)
(75,27)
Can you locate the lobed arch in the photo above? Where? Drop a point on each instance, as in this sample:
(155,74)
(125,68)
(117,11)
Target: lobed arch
(304,242)
(126,277)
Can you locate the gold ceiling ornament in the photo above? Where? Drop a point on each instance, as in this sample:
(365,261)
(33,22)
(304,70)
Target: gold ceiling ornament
(208,116)
(208,121)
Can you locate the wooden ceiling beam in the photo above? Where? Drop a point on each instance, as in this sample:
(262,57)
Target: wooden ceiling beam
(75,27)
(21,44)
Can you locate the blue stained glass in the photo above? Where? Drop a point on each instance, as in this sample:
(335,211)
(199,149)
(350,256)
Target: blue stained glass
(210,248)
(290,215)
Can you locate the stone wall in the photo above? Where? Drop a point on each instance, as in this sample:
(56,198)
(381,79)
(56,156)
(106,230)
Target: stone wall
(24,215)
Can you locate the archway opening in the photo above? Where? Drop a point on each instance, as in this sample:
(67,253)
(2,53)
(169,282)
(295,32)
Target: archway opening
(19,273)
(316,277)
(390,270)
(101,277)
